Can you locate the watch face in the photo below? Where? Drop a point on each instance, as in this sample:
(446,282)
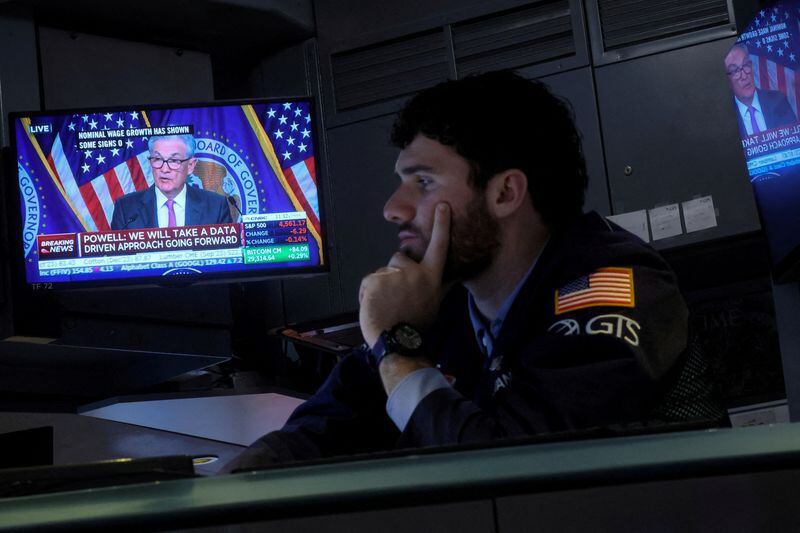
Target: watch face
(408,337)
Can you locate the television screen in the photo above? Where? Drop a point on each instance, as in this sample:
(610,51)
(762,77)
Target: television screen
(156,194)
(763,71)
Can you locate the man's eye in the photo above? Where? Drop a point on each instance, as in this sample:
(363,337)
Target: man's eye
(424,182)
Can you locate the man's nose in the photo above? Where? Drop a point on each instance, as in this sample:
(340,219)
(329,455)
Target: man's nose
(398,208)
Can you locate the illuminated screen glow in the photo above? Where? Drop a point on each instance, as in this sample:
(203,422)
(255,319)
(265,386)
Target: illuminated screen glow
(763,71)
(259,214)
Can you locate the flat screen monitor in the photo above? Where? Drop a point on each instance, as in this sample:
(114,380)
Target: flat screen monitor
(763,71)
(162,194)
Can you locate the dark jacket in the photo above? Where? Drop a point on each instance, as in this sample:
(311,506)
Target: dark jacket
(137,210)
(550,370)
(776,109)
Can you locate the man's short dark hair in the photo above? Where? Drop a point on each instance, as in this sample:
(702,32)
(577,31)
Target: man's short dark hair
(498,121)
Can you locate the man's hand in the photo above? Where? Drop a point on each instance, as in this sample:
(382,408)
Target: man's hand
(406,291)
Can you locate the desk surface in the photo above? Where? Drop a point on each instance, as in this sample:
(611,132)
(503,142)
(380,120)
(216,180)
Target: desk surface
(233,418)
(430,478)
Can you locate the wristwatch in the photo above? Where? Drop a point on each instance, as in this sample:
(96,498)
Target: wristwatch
(402,339)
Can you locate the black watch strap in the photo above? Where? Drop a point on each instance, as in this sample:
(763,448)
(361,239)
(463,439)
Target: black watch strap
(402,339)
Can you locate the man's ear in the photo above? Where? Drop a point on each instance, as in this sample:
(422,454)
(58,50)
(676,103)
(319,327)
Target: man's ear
(506,192)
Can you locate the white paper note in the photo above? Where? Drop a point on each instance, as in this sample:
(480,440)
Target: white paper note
(699,214)
(634,221)
(665,221)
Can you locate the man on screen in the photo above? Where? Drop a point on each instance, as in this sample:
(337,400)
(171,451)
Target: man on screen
(507,311)
(758,109)
(170,202)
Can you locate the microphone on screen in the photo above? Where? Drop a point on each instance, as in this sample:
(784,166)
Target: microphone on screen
(232,201)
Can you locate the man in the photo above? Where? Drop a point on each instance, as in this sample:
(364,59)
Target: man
(758,109)
(169,202)
(535,318)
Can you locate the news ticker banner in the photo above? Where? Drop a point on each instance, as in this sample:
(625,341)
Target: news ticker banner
(258,240)
(275,239)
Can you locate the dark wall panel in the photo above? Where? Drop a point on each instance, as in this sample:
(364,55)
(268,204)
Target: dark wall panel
(669,117)
(467,517)
(19,78)
(624,29)
(341,22)
(294,71)
(362,179)
(787,316)
(19,90)
(374,55)
(80,70)
(578,89)
(738,502)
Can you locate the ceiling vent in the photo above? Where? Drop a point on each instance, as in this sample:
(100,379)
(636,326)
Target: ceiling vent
(631,22)
(388,70)
(533,34)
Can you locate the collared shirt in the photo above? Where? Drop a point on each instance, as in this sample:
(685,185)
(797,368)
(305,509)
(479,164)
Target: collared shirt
(486,334)
(745,114)
(413,388)
(179,206)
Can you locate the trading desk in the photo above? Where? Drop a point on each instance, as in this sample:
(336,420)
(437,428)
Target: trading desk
(741,479)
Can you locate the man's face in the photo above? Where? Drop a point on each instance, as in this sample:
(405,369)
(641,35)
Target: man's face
(169,181)
(432,173)
(742,82)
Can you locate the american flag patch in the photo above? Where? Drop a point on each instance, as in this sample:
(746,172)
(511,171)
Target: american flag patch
(611,286)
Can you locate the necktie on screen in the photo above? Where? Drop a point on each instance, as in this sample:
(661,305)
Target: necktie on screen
(753,123)
(171,222)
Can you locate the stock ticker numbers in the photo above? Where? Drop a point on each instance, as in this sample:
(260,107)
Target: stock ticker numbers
(296,223)
(275,241)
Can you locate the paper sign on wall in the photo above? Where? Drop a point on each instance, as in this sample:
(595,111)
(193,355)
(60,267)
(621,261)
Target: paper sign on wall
(698,214)
(665,221)
(635,222)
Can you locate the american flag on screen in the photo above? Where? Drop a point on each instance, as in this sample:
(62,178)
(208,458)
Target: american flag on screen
(288,126)
(93,179)
(610,286)
(261,153)
(774,55)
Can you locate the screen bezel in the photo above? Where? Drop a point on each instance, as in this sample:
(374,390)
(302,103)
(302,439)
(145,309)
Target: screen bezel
(14,215)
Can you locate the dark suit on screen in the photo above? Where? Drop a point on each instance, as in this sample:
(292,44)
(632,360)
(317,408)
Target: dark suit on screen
(775,108)
(137,210)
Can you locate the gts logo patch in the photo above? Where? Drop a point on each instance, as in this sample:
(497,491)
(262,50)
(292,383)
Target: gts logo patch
(618,326)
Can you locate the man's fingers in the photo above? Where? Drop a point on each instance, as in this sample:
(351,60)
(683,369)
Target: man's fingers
(372,278)
(361,289)
(387,270)
(399,260)
(436,254)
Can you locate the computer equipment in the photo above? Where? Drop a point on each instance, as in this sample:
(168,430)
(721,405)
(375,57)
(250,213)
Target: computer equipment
(762,71)
(252,206)
(337,334)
